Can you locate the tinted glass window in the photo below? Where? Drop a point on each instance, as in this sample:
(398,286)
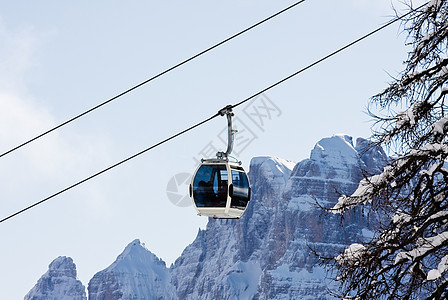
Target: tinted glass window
(240,189)
(210,186)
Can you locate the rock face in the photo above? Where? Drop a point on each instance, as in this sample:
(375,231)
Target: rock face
(226,260)
(136,274)
(59,283)
(265,254)
(291,270)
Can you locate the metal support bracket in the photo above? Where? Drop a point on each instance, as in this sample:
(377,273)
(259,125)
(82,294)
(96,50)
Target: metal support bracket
(230,132)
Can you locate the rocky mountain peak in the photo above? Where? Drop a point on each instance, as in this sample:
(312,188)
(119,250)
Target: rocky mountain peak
(58,283)
(270,173)
(134,256)
(335,149)
(62,266)
(265,254)
(136,274)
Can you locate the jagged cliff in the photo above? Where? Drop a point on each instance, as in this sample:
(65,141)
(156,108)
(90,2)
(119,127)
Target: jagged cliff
(59,283)
(265,254)
(136,274)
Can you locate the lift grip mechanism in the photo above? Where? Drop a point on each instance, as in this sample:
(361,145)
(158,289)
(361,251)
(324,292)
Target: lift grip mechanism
(227,111)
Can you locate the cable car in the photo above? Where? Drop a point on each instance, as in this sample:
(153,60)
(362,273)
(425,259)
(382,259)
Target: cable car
(220,188)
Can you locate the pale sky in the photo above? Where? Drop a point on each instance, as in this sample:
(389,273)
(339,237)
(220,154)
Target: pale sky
(62,58)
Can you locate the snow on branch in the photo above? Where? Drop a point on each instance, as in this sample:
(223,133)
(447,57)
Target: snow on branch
(441,268)
(440,126)
(403,166)
(407,257)
(425,245)
(364,193)
(433,150)
(353,253)
(434,3)
(407,117)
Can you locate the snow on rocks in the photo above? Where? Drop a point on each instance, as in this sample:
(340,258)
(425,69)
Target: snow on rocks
(338,150)
(58,283)
(277,170)
(266,254)
(136,274)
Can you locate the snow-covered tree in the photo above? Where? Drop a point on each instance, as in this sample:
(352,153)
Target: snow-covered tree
(408,256)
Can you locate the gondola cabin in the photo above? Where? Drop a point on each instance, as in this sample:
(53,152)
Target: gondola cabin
(220,189)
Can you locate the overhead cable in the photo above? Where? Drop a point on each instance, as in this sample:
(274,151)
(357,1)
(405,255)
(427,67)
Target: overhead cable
(212,117)
(330,55)
(152,78)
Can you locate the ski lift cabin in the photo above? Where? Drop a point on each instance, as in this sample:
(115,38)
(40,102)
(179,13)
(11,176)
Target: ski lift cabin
(220,189)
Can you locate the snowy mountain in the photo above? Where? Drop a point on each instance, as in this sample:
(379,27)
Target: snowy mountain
(59,283)
(136,274)
(265,254)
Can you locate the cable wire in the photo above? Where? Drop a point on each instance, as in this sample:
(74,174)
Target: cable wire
(152,78)
(109,168)
(329,55)
(210,118)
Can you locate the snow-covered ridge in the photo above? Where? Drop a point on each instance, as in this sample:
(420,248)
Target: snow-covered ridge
(265,254)
(58,283)
(335,149)
(136,258)
(276,169)
(136,274)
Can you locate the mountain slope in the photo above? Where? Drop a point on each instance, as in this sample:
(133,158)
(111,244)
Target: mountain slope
(58,283)
(266,254)
(136,274)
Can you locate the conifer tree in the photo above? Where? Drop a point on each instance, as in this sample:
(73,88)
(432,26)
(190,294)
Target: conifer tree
(408,256)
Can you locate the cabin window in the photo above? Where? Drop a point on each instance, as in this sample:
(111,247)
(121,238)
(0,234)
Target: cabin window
(210,186)
(240,190)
